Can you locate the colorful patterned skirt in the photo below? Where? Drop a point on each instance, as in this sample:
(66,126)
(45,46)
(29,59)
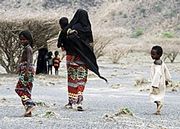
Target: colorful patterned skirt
(77,78)
(25,84)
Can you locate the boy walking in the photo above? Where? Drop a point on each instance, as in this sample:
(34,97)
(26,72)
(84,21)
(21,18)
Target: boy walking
(160,76)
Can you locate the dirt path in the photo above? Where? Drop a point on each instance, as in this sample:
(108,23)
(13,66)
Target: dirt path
(100,100)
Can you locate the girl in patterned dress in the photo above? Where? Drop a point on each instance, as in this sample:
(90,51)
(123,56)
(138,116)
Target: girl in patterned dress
(26,73)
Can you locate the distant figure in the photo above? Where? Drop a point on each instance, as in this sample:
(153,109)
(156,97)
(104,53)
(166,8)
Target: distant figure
(49,62)
(41,61)
(26,73)
(77,39)
(160,76)
(56,62)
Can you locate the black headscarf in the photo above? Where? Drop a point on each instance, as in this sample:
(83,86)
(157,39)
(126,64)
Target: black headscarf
(27,34)
(78,43)
(81,23)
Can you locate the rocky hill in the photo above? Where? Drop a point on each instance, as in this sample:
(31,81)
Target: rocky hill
(152,17)
(125,18)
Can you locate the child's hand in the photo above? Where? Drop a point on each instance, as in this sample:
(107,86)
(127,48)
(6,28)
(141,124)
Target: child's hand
(155,90)
(72,59)
(70,31)
(26,76)
(62,48)
(17,71)
(166,82)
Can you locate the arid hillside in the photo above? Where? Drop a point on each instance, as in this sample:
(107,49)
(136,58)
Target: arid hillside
(125,18)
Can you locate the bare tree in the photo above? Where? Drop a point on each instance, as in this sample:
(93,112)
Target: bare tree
(10,48)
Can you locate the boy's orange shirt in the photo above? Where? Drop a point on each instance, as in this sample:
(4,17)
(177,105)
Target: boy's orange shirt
(56,61)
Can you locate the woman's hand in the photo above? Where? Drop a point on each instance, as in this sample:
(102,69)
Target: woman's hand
(70,31)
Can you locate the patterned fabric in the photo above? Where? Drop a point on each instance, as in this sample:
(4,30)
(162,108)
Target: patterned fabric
(25,84)
(56,62)
(77,78)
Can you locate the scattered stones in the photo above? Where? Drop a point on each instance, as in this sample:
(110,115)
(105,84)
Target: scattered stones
(116,86)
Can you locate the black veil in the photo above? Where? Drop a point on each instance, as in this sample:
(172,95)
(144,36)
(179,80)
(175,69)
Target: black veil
(78,43)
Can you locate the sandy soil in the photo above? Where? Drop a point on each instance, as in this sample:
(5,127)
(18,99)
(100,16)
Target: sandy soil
(101,102)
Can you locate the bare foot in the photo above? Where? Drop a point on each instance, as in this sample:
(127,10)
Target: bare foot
(29,110)
(157,113)
(28,115)
(68,106)
(159,106)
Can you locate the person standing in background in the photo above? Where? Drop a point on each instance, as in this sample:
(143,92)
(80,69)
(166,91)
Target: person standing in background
(56,62)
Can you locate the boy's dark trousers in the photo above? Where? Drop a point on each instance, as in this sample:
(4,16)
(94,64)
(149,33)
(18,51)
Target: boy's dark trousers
(56,70)
(50,69)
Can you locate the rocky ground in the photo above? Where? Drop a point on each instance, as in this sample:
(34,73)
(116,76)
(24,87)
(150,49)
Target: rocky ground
(103,102)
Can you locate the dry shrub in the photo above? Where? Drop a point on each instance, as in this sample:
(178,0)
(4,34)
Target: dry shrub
(118,52)
(171,52)
(10,48)
(100,42)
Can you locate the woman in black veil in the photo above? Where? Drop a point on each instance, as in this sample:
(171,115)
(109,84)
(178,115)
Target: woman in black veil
(76,38)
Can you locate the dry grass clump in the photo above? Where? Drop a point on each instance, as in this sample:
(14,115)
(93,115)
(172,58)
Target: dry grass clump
(50,114)
(141,82)
(123,112)
(41,104)
(173,86)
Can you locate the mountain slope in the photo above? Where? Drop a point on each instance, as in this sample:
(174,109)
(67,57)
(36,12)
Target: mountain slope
(126,18)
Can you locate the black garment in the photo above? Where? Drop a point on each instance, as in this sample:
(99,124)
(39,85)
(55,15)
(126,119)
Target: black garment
(41,61)
(81,23)
(78,43)
(86,54)
(64,42)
